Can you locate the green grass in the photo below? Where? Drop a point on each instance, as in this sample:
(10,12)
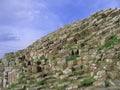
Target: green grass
(103,62)
(55,57)
(17,67)
(42,57)
(111,42)
(87,82)
(10,57)
(27,85)
(42,82)
(1,64)
(62,81)
(22,80)
(75,73)
(92,88)
(71,47)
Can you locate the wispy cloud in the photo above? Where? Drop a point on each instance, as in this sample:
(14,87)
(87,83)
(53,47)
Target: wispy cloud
(8,37)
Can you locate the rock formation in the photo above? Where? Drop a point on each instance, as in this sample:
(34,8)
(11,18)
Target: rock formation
(84,55)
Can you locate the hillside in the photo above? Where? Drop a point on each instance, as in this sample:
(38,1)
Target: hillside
(84,55)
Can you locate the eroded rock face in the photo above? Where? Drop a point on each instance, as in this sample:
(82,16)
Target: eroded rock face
(84,55)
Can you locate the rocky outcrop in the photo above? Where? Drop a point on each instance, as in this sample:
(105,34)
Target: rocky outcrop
(84,55)
(1,75)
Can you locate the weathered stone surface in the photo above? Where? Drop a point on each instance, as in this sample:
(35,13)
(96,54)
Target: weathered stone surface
(72,87)
(101,75)
(67,71)
(62,63)
(71,63)
(99,84)
(113,74)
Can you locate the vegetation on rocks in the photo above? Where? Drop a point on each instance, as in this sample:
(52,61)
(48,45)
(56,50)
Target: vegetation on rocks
(87,82)
(111,42)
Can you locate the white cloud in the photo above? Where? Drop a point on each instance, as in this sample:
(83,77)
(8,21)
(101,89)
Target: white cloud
(27,10)
(25,36)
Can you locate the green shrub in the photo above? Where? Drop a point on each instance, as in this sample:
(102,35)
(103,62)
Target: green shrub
(111,42)
(22,80)
(118,22)
(70,47)
(107,84)
(87,82)
(42,57)
(13,85)
(82,44)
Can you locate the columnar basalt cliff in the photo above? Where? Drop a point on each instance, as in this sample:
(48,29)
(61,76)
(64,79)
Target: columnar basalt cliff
(84,55)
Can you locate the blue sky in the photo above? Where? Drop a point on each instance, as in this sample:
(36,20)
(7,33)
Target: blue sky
(24,21)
